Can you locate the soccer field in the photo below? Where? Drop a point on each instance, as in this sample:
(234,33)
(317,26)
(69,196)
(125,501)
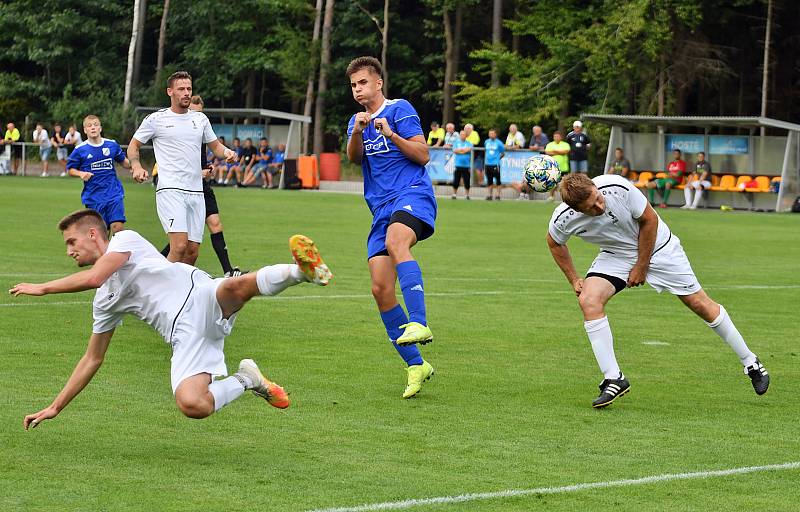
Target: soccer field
(509,406)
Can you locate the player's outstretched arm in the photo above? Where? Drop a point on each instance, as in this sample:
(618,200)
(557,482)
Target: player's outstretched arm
(220,151)
(79,281)
(563,259)
(648,230)
(139,172)
(81,376)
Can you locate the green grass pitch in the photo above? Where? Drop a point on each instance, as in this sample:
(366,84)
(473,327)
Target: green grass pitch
(508,408)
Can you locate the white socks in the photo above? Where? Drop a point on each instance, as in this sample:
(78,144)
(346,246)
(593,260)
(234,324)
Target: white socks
(602,341)
(723,326)
(687,194)
(273,279)
(225,391)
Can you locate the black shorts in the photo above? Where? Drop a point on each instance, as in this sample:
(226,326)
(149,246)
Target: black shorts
(461,174)
(492,172)
(618,283)
(16,150)
(211,199)
(420,228)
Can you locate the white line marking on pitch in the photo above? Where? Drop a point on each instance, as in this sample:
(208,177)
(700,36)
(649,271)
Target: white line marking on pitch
(654,342)
(398,505)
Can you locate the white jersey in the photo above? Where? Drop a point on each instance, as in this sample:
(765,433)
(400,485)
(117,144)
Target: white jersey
(147,286)
(617,230)
(177,141)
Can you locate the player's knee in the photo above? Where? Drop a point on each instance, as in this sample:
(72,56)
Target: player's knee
(194,406)
(590,304)
(382,293)
(178,247)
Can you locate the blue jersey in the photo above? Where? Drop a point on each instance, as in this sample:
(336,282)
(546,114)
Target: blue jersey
(462,159)
(103,186)
(279,157)
(387,171)
(494,149)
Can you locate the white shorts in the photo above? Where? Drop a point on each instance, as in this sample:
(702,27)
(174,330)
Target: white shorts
(697,184)
(182,212)
(669,270)
(198,338)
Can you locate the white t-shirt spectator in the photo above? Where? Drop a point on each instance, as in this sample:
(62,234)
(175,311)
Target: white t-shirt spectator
(42,138)
(516,138)
(177,141)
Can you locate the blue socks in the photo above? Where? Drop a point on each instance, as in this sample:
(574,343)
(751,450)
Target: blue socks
(410,277)
(393,319)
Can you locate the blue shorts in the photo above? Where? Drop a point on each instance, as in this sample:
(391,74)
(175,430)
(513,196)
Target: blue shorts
(418,202)
(112,211)
(258,169)
(579,166)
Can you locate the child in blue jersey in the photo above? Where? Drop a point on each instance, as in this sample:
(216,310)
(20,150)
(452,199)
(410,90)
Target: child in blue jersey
(93,162)
(387,140)
(494,152)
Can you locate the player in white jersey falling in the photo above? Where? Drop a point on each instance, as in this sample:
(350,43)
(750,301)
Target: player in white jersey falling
(193,312)
(178,134)
(636,246)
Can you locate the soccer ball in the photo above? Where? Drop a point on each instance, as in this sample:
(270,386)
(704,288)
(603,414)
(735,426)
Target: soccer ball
(542,173)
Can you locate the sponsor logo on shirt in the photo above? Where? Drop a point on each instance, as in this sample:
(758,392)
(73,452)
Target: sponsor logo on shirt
(376,145)
(106,152)
(102,165)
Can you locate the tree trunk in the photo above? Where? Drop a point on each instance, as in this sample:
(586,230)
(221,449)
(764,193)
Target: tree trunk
(662,85)
(137,58)
(322,88)
(385,34)
(497,15)
(447,92)
(126,103)
(162,39)
(310,85)
(250,90)
(765,72)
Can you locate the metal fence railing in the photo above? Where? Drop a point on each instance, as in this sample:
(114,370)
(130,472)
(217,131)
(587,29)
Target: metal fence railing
(24,159)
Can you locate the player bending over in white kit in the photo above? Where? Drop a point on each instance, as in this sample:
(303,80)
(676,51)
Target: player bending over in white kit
(193,312)
(636,246)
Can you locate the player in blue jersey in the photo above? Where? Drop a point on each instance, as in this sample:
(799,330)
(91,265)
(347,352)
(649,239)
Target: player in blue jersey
(93,162)
(387,140)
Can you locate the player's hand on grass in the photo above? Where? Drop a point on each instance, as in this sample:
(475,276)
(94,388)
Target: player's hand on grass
(578,286)
(637,276)
(140,175)
(33,420)
(382,125)
(86,176)
(361,121)
(27,289)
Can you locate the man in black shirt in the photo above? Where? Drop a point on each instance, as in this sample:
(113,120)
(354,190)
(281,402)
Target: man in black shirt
(579,144)
(698,181)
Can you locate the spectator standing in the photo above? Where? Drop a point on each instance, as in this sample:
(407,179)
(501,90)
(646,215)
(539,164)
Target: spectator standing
(41,137)
(620,165)
(515,139)
(675,171)
(462,150)
(702,172)
(57,139)
(12,136)
(559,149)
(494,152)
(450,135)
(539,140)
(579,144)
(436,135)
(473,136)
(72,139)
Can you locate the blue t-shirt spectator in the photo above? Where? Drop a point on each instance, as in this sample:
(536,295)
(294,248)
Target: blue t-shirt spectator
(462,159)
(494,150)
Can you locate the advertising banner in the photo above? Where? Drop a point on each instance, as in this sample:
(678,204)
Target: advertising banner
(441,164)
(686,143)
(728,145)
(512,165)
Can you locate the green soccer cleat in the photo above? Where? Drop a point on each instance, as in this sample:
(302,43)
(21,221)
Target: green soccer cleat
(417,374)
(415,332)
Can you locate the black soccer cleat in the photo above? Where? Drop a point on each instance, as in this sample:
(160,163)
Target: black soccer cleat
(758,376)
(236,272)
(610,390)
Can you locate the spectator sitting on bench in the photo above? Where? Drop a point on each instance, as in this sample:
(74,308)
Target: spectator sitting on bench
(702,170)
(675,171)
(620,165)
(275,166)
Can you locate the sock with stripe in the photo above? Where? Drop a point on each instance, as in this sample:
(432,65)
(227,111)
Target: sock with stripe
(599,332)
(723,326)
(218,242)
(410,277)
(392,320)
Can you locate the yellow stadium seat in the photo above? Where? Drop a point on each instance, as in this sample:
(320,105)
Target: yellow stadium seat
(727,182)
(763,184)
(740,181)
(644,177)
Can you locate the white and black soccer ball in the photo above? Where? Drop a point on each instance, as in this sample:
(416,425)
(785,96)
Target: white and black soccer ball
(542,173)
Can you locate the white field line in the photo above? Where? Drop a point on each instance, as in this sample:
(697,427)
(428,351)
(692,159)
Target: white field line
(655,343)
(511,493)
(428,294)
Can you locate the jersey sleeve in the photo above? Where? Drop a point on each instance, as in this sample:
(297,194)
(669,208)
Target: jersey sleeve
(124,241)
(74,160)
(208,131)
(637,202)
(350,125)
(104,321)
(146,130)
(556,228)
(119,155)
(406,120)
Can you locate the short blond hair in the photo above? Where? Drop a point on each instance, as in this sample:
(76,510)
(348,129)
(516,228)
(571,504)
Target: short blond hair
(575,189)
(91,117)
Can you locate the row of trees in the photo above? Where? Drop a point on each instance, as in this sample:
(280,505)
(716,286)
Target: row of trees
(489,63)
